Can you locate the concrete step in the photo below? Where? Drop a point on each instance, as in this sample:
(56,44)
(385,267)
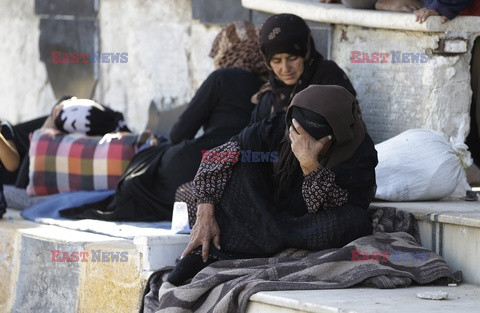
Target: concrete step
(37,282)
(463,298)
(450,228)
(46,268)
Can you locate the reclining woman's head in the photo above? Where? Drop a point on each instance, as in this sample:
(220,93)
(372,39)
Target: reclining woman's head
(286,45)
(73,115)
(237,46)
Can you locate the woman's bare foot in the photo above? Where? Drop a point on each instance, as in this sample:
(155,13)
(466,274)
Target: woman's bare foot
(398,5)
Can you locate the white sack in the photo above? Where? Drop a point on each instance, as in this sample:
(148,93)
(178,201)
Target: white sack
(420,164)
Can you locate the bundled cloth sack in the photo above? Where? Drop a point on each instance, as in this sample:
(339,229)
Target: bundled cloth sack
(420,164)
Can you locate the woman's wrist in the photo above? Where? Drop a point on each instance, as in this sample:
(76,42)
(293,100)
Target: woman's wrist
(205,210)
(309,167)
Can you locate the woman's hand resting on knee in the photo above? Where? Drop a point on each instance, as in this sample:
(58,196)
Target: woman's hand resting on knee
(204,231)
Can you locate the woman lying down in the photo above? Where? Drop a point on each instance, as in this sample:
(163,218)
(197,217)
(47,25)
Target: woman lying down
(314,197)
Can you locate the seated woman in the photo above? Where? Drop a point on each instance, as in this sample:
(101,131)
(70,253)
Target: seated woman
(221,106)
(315,196)
(289,50)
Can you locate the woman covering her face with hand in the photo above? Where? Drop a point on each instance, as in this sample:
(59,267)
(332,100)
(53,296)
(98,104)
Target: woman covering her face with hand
(289,51)
(313,195)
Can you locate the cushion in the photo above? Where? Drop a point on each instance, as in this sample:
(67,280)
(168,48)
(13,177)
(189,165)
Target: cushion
(71,162)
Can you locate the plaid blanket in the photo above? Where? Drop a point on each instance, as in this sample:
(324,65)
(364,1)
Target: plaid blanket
(72,162)
(383,260)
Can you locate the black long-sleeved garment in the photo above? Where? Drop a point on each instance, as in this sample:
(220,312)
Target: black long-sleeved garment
(222,106)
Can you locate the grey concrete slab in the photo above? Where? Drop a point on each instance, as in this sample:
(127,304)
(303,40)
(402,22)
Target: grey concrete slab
(66,7)
(219,11)
(43,285)
(463,298)
(450,210)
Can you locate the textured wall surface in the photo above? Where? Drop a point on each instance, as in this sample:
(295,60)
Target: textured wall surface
(167,58)
(25,92)
(395,96)
(167,55)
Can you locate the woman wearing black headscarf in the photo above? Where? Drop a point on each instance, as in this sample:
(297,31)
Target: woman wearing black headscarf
(294,63)
(309,186)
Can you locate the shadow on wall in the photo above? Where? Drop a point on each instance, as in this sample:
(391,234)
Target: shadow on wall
(69,31)
(473,138)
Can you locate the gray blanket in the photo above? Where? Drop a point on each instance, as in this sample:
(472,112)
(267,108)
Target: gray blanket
(389,258)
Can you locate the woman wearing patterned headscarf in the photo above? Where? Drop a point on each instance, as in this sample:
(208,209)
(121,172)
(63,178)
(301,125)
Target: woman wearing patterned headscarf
(221,106)
(308,188)
(221,102)
(293,62)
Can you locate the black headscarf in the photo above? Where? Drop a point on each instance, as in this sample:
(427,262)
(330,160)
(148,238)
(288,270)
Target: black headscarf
(315,124)
(288,33)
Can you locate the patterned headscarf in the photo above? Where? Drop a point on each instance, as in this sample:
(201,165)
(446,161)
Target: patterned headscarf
(237,46)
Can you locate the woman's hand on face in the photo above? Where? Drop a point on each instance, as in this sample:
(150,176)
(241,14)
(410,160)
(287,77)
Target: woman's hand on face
(305,148)
(204,231)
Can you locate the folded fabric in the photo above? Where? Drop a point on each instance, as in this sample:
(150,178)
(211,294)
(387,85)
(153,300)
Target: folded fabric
(70,162)
(49,207)
(382,260)
(47,212)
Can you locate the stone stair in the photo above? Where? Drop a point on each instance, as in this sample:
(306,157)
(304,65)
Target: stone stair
(450,227)
(35,278)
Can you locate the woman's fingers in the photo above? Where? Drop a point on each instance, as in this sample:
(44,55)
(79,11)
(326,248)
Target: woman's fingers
(190,247)
(204,231)
(205,249)
(216,240)
(323,141)
(299,129)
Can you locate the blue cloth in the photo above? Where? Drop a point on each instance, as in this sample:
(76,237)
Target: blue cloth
(448,8)
(47,212)
(50,207)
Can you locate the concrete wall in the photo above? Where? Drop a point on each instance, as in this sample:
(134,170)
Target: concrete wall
(167,58)
(167,55)
(395,97)
(25,92)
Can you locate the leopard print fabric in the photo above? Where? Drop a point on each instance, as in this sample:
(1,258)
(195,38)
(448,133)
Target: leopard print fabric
(237,46)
